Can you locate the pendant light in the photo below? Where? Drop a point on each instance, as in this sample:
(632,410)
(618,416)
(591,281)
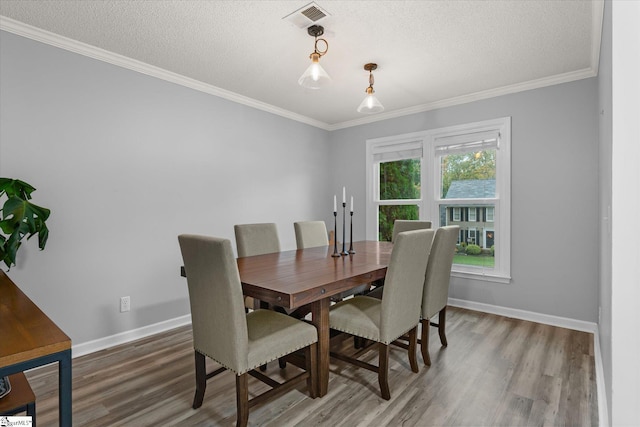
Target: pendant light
(315,76)
(370,104)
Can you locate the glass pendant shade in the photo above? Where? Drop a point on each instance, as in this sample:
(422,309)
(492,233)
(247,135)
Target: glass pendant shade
(315,76)
(370,105)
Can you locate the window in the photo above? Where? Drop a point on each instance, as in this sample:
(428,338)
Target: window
(456,175)
(472,214)
(489,214)
(398,185)
(456,214)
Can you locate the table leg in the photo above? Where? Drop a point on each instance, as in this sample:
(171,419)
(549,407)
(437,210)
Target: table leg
(64,388)
(320,318)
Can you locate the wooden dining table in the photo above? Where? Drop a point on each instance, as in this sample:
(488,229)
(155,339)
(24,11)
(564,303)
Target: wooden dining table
(295,278)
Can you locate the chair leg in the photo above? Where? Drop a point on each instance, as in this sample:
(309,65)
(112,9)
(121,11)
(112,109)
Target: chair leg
(413,343)
(424,342)
(310,354)
(201,379)
(383,370)
(242,399)
(442,318)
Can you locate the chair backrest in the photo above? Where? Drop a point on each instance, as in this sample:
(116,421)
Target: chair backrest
(400,225)
(256,239)
(215,294)
(404,283)
(438,275)
(310,234)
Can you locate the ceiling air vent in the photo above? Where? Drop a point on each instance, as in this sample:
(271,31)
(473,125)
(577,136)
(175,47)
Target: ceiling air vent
(307,15)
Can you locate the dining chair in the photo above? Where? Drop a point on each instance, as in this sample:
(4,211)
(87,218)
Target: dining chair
(310,234)
(238,341)
(397,313)
(256,239)
(259,239)
(400,225)
(436,286)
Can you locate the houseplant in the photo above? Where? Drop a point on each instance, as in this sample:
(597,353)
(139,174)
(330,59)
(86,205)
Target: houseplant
(19,218)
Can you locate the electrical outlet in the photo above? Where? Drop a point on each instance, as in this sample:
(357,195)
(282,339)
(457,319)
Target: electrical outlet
(125,304)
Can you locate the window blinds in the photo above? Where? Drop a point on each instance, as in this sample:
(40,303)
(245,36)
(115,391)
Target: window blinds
(395,152)
(476,141)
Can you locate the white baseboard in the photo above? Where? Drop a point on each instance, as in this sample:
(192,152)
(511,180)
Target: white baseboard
(603,412)
(547,319)
(562,322)
(127,336)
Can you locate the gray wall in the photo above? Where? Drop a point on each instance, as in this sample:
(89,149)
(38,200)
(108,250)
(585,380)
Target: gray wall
(126,162)
(554,240)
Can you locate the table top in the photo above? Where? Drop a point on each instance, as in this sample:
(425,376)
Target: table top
(27,333)
(294,278)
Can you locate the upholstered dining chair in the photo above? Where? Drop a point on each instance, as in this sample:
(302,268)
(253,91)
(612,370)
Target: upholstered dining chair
(436,286)
(310,234)
(256,239)
(400,225)
(259,239)
(397,313)
(238,341)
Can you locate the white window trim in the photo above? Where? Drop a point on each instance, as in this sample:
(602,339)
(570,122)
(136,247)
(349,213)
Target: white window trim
(493,214)
(429,204)
(473,209)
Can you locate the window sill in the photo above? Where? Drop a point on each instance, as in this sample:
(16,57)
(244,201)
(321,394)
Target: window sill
(481,276)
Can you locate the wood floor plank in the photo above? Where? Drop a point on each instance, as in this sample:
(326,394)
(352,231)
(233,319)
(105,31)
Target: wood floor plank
(495,371)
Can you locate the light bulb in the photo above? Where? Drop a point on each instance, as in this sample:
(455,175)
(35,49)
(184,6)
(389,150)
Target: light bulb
(315,76)
(370,105)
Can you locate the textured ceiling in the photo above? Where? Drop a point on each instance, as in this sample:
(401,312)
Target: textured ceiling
(429,53)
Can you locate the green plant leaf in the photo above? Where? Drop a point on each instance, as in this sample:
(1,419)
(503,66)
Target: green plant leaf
(20,218)
(15,187)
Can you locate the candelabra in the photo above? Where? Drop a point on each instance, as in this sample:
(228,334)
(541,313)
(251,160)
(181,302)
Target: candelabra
(335,233)
(344,240)
(351,251)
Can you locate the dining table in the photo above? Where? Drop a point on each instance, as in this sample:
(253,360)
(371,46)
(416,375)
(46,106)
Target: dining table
(312,276)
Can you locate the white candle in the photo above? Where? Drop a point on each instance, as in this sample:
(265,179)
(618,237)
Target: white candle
(344,195)
(335,204)
(351,203)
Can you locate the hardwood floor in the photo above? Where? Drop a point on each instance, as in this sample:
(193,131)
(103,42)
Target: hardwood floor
(496,371)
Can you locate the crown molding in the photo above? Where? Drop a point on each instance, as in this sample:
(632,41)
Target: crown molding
(477,96)
(40,35)
(597,20)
